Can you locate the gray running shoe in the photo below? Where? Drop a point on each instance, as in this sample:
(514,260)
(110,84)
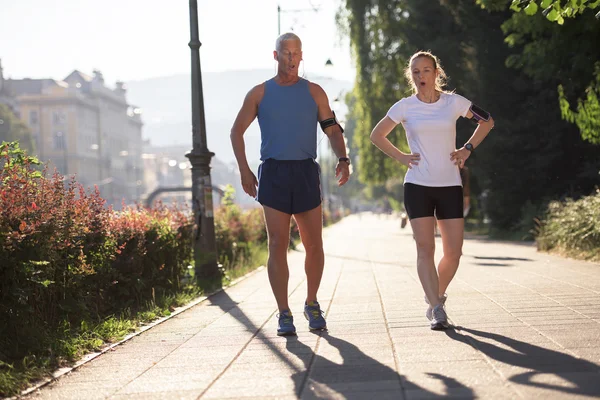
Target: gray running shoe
(429,311)
(439,320)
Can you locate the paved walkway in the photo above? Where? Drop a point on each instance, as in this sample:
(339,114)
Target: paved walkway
(527,327)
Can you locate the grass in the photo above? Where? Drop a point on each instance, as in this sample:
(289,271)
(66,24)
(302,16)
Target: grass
(68,344)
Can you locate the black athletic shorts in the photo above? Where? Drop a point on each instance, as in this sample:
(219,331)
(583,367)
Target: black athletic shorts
(290,186)
(425,201)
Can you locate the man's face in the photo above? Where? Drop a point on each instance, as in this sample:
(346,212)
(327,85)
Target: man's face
(289,56)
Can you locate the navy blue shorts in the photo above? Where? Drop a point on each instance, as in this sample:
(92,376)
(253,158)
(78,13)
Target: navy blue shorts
(425,201)
(289,186)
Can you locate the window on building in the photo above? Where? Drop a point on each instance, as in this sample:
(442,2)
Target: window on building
(33,117)
(59,118)
(60,142)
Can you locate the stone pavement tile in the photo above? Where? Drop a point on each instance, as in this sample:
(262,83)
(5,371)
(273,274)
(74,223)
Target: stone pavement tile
(570,342)
(285,397)
(124,361)
(355,338)
(480,392)
(109,374)
(439,376)
(437,354)
(257,371)
(163,337)
(239,388)
(382,358)
(146,385)
(316,388)
(177,374)
(334,373)
(143,348)
(531,367)
(488,325)
(418,331)
(558,386)
(177,395)
(244,358)
(216,360)
(591,354)
(50,393)
(212,341)
(324,392)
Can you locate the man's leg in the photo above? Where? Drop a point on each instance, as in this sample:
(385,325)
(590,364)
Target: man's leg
(452,239)
(310,224)
(278,230)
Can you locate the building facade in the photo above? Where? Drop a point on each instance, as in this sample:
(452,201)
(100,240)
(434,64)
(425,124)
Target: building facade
(86,130)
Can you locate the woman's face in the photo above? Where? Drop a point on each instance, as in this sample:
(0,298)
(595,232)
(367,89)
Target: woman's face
(423,73)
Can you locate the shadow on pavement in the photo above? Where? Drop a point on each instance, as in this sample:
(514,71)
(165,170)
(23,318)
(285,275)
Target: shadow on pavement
(502,258)
(494,264)
(538,361)
(326,377)
(358,374)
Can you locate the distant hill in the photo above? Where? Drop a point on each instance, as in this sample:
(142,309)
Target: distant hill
(166,108)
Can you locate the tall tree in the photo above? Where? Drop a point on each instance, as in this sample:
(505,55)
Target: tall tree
(531,156)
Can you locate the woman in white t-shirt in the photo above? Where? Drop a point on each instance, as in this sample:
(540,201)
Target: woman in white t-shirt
(432,185)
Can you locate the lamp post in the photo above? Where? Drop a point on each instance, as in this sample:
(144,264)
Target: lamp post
(205,250)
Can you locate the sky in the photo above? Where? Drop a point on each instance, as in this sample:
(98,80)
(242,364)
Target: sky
(137,39)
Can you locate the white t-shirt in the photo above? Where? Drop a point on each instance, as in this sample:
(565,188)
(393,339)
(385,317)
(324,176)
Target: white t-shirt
(431,132)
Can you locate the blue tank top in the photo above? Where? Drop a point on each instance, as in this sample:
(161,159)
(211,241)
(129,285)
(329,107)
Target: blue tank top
(287,116)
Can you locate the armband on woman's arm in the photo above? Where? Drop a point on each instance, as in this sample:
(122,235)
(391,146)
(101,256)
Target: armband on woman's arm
(326,123)
(479,114)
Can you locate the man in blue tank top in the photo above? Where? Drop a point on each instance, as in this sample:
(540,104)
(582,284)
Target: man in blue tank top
(288,108)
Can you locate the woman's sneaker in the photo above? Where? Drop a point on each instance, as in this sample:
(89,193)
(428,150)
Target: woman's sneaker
(429,311)
(286,327)
(439,319)
(314,315)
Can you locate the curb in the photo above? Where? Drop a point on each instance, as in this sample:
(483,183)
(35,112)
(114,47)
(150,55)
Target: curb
(91,356)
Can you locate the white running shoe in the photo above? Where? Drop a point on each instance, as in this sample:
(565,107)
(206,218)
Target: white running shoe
(439,320)
(429,311)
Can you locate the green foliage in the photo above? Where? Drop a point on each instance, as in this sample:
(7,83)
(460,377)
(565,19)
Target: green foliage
(554,10)
(240,234)
(572,227)
(532,154)
(587,116)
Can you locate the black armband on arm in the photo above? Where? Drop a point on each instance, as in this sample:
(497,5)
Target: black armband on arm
(479,114)
(330,122)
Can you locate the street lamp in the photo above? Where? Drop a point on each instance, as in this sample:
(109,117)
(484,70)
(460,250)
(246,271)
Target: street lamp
(205,249)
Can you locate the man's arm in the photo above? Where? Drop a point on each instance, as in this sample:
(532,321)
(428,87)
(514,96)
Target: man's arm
(245,116)
(333,132)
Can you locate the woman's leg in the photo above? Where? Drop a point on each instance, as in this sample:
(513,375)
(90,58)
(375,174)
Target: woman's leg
(452,240)
(424,237)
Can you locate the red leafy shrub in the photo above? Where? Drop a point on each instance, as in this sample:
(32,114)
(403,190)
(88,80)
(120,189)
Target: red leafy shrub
(236,231)
(65,256)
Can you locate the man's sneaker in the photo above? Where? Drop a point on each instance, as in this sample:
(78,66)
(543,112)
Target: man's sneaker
(314,315)
(286,326)
(439,320)
(429,311)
